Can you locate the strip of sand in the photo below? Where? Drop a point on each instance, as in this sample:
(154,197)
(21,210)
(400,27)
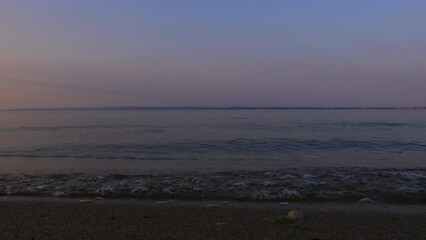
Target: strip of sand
(48,218)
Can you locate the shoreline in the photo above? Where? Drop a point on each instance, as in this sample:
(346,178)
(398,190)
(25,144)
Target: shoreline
(292,185)
(52,218)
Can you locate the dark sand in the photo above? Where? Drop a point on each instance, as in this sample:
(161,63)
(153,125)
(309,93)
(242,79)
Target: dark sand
(46,218)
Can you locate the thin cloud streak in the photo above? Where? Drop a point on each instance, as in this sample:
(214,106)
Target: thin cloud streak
(68,87)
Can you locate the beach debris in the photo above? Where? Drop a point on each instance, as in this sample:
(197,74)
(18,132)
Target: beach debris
(366,200)
(58,194)
(283,203)
(85,201)
(295,215)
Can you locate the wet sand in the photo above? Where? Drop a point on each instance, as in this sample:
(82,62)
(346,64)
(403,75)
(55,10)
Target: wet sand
(49,218)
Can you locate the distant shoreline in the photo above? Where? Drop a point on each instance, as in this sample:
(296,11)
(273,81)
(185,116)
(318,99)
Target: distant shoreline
(137,108)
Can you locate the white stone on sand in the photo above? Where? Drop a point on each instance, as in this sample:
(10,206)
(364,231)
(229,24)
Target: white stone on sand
(295,215)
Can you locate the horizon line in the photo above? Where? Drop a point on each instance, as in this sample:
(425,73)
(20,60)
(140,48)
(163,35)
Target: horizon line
(134,108)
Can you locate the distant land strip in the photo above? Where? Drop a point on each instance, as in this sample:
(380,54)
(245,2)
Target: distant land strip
(138,108)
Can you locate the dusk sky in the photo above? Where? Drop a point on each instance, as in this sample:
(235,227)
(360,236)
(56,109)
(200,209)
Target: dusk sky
(301,53)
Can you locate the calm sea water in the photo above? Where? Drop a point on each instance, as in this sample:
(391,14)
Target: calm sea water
(210,139)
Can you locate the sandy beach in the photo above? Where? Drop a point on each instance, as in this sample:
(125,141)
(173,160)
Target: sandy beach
(49,218)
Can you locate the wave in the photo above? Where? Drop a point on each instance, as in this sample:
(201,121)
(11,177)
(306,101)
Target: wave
(195,148)
(81,127)
(315,127)
(308,184)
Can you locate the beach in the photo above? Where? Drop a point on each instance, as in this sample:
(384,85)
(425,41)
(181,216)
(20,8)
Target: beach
(50,218)
(336,203)
(210,174)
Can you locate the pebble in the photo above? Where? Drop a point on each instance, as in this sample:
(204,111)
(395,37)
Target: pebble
(366,200)
(295,215)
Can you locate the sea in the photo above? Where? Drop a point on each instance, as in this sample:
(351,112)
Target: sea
(210,139)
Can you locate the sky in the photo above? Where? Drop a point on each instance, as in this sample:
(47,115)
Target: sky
(295,53)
